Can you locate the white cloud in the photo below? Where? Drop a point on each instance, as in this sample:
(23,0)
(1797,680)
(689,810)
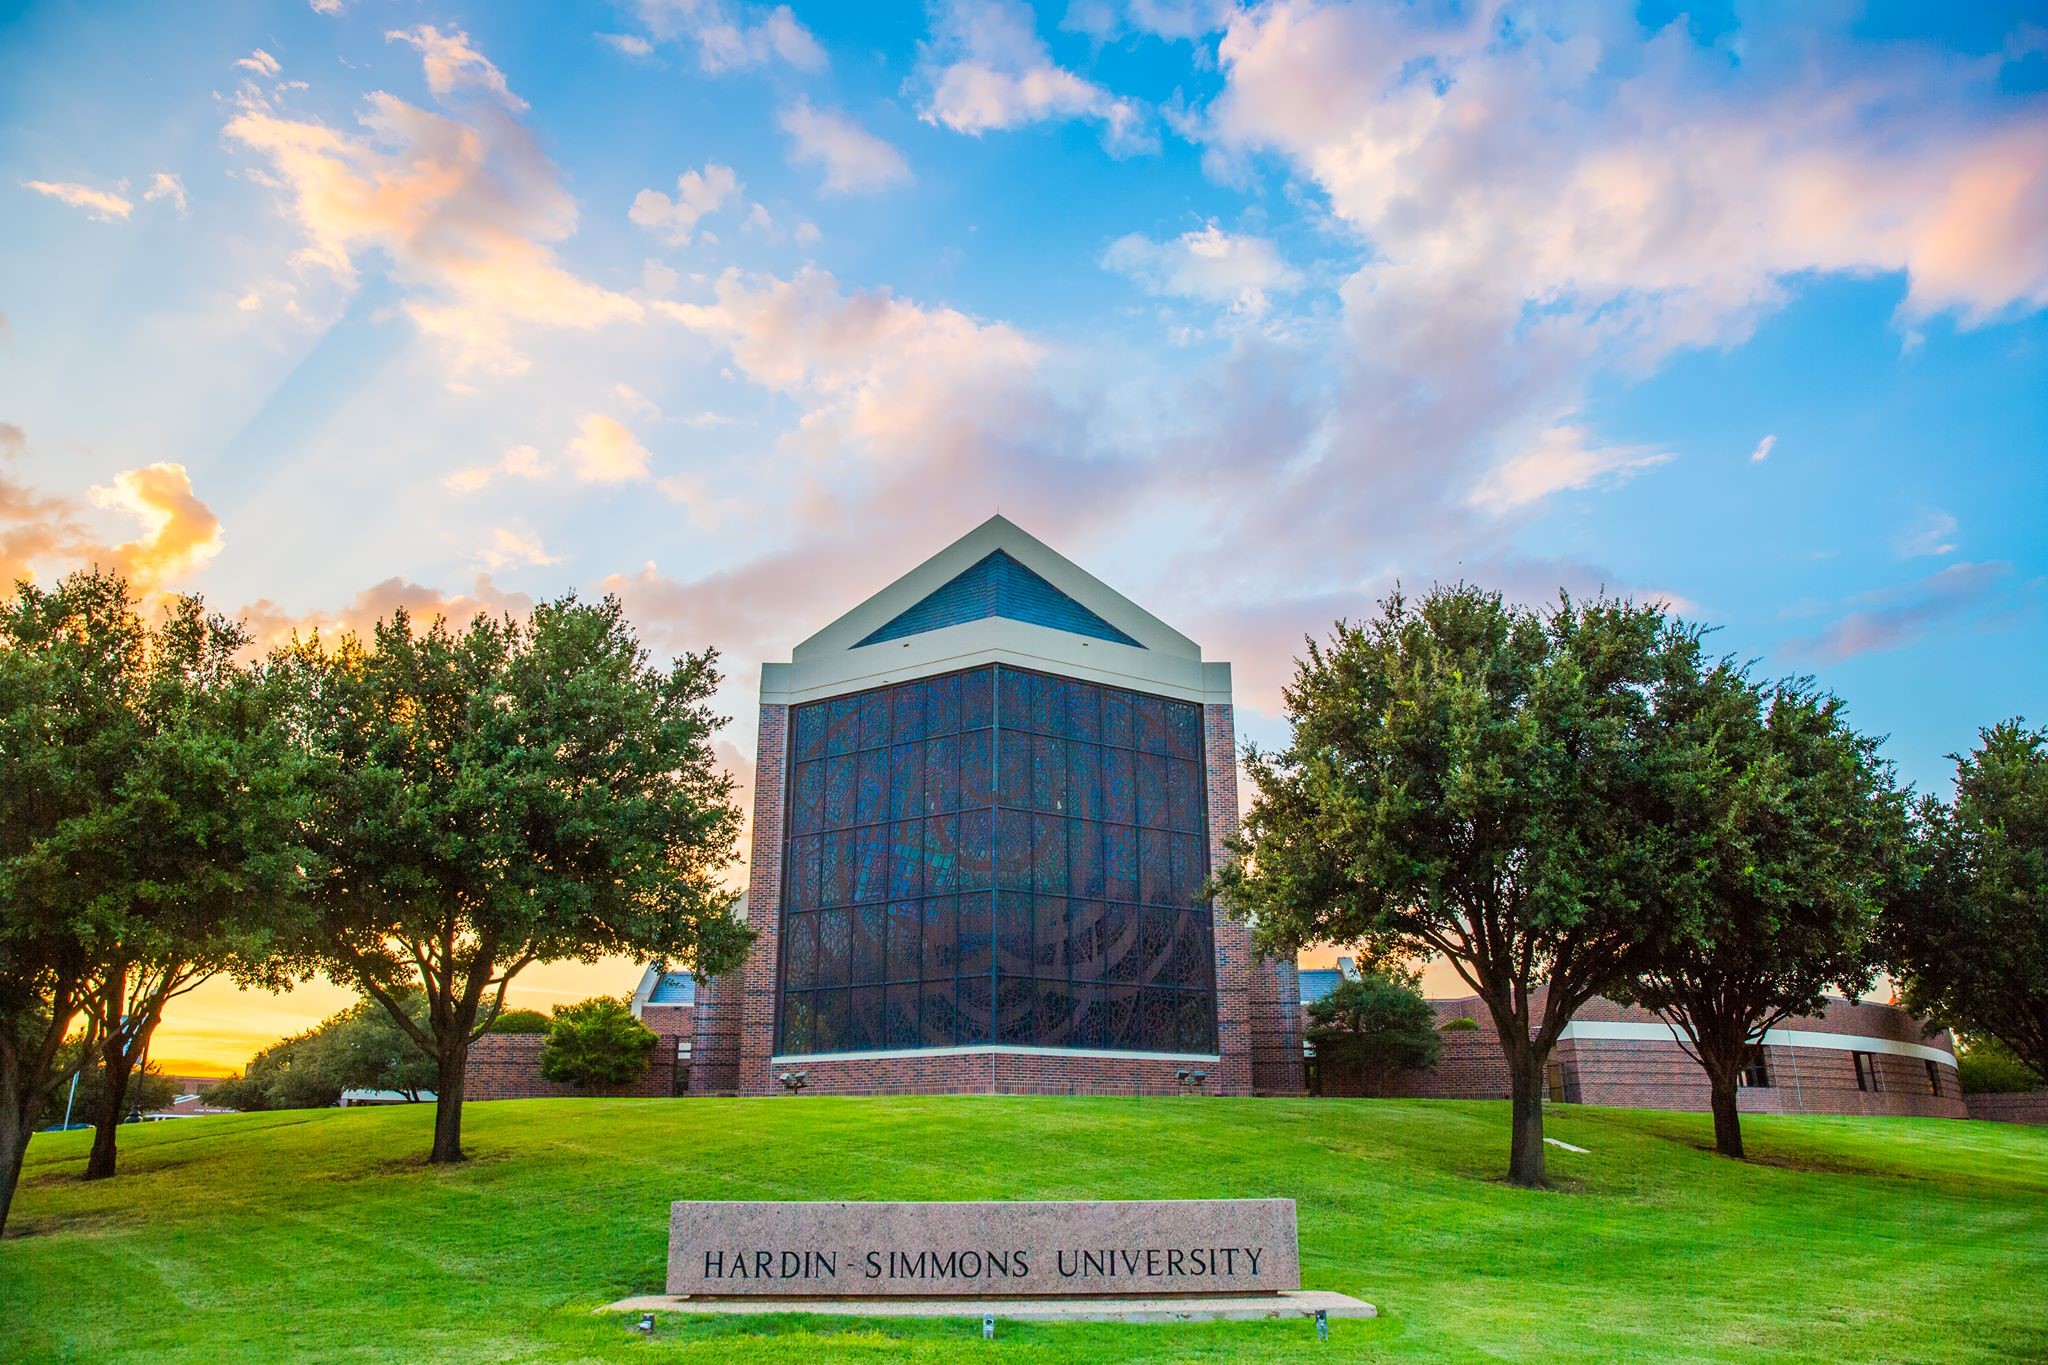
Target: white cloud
(329,7)
(853,159)
(453,65)
(631,44)
(464,205)
(1176,20)
(105,205)
(260,62)
(986,68)
(604,451)
(731,36)
(1763,450)
(520,462)
(180,532)
(164,185)
(510,548)
(698,194)
(637,401)
(1931,537)
(1208,264)
(1563,458)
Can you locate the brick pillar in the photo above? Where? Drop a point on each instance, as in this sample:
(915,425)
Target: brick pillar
(715,1040)
(754,982)
(1234,962)
(1266,994)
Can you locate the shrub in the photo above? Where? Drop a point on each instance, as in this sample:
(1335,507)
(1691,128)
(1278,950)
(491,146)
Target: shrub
(520,1021)
(1379,1024)
(1462,1024)
(596,1044)
(1988,1067)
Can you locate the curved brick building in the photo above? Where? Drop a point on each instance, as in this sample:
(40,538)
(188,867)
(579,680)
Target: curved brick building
(986,801)
(1854,1057)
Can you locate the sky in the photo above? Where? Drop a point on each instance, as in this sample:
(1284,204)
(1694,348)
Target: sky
(739,311)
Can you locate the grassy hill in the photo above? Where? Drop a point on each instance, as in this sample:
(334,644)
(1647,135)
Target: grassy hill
(324,1235)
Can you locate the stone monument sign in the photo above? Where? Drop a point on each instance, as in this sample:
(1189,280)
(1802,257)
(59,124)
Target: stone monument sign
(982,1249)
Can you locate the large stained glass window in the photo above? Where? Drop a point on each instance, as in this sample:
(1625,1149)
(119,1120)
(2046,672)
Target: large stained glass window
(996,856)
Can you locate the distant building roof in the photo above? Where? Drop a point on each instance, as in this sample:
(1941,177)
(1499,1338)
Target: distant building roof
(1317,982)
(674,988)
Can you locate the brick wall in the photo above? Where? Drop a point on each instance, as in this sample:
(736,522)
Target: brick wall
(1647,1074)
(2026,1106)
(754,983)
(1258,1018)
(1236,969)
(997,1073)
(506,1066)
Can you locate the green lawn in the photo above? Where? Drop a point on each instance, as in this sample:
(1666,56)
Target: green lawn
(322,1234)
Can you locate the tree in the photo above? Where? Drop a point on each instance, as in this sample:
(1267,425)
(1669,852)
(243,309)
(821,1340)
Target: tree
(596,1044)
(516,792)
(1791,828)
(1986,1066)
(1471,780)
(196,842)
(147,811)
(1378,1024)
(520,1021)
(1967,939)
(361,1048)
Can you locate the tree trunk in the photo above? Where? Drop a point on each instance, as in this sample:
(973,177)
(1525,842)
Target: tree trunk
(16,1123)
(448,1097)
(1525,1153)
(1727,1119)
(119,1064)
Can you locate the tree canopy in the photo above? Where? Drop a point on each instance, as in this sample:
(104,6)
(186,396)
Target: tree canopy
(512,792)
(360,1048)
(1967,940)
(1795,832)
(1476,781)
(149,816)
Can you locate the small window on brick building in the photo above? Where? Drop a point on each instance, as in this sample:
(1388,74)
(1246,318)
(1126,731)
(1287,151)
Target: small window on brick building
(1933,1078)
(1756,1071)
(683,1049)
(1867,1077)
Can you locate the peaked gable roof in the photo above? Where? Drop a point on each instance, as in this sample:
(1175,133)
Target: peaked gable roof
(1060,577)
(997,585)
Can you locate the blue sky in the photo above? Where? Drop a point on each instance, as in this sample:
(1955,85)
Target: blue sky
(740,310)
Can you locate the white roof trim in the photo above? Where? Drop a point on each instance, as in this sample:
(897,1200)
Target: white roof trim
(999,533)
(833,662)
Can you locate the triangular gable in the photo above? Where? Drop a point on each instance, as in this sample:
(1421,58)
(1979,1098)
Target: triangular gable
(1142,631)
(997,585)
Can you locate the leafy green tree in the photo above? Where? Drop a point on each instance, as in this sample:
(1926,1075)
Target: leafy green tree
(1472,780)
(197,842)
(360,1048)
(510,793)
(147,811)
(1377,1024)
(1986,1066)
(1967,940)
(596,1044)
(520,1021)
(1793,829)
